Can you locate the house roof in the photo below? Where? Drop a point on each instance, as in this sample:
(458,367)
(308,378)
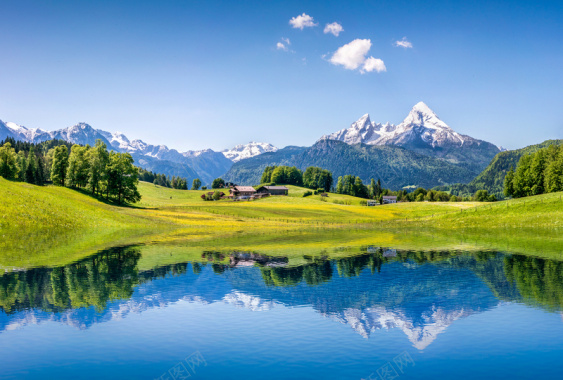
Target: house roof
(389,197)
(244,188)
(276,187)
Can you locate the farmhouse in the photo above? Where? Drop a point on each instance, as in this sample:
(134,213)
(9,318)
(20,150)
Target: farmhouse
(273,190)
(242,192)
(389,199)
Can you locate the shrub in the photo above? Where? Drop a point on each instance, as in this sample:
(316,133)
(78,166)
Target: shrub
(307,193)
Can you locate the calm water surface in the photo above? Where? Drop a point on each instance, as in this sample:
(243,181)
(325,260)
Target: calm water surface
(380,314)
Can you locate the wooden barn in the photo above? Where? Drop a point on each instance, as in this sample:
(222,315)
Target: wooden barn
(273,190)
(242,192)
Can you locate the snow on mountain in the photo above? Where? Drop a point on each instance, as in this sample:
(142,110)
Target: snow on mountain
(83,133)
(421,126)
(421,335)
(197,153)
(20,132)
(241,152)
(80,133)
(117,140)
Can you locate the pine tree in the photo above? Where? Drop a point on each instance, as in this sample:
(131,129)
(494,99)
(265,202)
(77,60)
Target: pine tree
(31,167)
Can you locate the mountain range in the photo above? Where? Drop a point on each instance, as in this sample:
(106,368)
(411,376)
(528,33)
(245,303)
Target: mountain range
(204,164)
(422,150)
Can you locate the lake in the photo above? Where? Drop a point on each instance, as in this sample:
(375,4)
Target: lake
(376,313)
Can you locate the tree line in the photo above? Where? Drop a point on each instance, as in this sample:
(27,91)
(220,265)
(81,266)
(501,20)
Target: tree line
(101,172)
(28,162)
(318,178)
(354,186)
(312,178)
(163,180)
(536,173)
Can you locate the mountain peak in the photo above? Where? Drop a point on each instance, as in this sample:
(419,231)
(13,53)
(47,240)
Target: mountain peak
(364,118)
(421,115)
(253,148)
(421,130)
(82,125)
(422,107)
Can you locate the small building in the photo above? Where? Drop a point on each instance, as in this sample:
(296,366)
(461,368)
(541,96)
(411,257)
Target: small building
(242,192)
(273,190)
(387,199)
(260,195)
(372,202)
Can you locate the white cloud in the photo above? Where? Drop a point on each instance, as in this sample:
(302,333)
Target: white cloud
(404,43)
(334,28)
(302,21)
(351,55)
(373,64)
(284,45)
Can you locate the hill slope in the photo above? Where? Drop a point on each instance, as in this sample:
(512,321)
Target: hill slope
(492,177)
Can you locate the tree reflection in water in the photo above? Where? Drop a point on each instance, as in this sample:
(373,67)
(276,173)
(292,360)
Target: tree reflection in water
(113,275)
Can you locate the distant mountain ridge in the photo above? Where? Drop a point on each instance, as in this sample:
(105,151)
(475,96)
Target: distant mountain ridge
(240,152)
(396,167)
(422,150)
(204,164)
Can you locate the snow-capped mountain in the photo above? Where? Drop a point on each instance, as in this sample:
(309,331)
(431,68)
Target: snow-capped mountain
(83,133)
(80,133)
(363,131)
(241,152)
(206,164)
(422,131)
(421,125)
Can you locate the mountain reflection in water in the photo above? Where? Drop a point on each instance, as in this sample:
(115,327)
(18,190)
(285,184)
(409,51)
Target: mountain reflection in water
(420,293)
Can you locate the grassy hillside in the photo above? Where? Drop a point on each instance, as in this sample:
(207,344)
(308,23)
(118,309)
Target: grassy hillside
(48,225)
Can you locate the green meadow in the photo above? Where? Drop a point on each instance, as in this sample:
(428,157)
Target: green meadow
(48,226)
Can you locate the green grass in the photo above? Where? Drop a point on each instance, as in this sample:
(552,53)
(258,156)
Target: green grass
(52,225)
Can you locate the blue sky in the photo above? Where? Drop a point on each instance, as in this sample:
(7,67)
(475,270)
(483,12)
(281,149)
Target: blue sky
(209,74)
